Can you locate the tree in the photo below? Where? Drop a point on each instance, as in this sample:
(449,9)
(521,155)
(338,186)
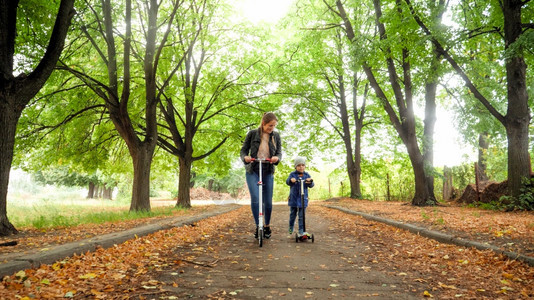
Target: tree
(515,36)
(331,90)
(205,93)
(111,36)
(17,90)
(397,55)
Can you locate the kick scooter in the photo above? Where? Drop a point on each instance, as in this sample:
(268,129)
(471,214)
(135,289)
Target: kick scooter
(260,200)
(305,236)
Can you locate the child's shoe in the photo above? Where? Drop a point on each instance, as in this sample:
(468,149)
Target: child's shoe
(256,233)
(290,230)
(267,232)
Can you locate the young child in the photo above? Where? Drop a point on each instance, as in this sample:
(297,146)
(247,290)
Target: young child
(294,194)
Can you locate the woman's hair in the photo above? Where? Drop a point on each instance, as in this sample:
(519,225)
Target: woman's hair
(267,117)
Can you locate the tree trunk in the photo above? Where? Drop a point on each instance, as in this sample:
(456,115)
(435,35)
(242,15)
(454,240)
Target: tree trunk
(107,193)
(9,116)
(388,188)
(404,122)
(354,166)
(518,157)
(483,145)
(422,196)
(142,160)
(184,197)
(448,188)
(91,191)
(518,115)
(358,121)
(428,131)
(354,179)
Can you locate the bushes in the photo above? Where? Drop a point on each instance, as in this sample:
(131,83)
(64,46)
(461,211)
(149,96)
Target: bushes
(525,201)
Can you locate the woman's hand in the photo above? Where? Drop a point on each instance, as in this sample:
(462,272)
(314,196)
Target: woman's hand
(274,159)
(248,159)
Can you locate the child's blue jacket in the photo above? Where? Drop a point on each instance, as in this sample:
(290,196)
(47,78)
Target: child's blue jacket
(294,192)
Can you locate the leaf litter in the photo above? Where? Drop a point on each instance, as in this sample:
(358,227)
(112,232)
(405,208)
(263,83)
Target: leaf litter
(451,272)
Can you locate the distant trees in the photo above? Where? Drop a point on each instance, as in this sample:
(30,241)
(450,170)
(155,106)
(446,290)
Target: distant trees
(98,186)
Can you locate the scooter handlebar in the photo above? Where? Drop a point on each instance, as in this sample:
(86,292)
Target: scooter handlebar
(260,159)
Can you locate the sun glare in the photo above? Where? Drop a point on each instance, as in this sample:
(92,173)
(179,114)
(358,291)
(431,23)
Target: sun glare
(262,10)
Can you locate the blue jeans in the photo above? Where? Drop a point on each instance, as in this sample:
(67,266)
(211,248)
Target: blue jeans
(293,215)
(252,183)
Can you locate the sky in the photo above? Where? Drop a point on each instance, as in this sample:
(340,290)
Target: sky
(447,148)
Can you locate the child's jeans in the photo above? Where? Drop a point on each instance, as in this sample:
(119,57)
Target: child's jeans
(293,215)
(252,183)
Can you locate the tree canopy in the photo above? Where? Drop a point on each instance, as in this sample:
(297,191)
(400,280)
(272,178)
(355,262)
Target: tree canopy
(179,83)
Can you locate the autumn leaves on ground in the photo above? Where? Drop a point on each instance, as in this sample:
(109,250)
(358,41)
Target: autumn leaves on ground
(158,266)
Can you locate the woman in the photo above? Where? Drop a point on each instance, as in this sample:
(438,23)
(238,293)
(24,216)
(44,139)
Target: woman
(262,142)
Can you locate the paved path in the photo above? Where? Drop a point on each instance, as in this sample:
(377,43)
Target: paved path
(329,268)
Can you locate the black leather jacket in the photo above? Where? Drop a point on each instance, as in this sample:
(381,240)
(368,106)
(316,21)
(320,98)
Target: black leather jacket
(252,144)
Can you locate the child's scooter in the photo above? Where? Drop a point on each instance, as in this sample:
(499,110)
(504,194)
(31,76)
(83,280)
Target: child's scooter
(305,236)
(260,201)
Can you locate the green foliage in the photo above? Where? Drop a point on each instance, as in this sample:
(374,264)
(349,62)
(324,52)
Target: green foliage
(64,176)
(523,44)
(387,173)
(497,162)
(424,215)
(463,175)
(525,201)
(35,20)
(493,205)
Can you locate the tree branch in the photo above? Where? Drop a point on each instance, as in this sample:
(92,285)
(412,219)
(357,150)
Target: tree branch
(440,49)
(66,120)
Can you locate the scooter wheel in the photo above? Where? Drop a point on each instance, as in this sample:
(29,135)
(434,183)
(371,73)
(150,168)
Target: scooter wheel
(260,238)
(312,238)
(296,238)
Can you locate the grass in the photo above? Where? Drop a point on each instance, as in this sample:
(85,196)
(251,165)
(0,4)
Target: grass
(424,215)
(71,210)
(78,217)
